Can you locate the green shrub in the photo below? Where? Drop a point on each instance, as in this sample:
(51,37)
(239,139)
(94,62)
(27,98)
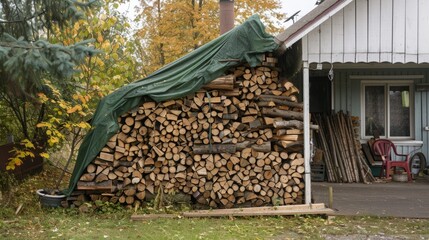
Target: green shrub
(7,181)
(7,186)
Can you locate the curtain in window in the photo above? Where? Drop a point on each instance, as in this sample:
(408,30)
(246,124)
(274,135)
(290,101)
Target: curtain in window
(375,111)
(399,111)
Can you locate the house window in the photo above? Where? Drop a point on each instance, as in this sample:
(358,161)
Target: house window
(387,110)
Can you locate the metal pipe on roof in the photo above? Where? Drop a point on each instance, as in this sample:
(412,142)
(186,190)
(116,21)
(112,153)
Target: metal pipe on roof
(226,15)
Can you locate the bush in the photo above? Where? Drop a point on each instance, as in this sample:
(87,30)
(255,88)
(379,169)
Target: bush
(7,184)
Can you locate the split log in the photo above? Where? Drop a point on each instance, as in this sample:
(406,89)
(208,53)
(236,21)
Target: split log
(214,148)
(222,83)
(274,112)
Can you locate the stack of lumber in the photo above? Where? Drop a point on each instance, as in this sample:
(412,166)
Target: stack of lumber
(343,155)
(236,142)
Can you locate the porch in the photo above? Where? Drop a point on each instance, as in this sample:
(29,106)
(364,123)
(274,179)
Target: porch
(367,58)
(383,199)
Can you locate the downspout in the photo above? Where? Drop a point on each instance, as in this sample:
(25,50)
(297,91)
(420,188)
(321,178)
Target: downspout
(306,87)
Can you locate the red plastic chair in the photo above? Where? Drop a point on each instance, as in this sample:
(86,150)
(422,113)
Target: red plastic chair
(383,148)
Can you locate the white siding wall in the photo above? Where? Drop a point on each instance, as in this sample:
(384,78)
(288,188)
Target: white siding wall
(394,31)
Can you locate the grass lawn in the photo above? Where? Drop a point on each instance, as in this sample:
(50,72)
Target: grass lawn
(113,222)
(66,224)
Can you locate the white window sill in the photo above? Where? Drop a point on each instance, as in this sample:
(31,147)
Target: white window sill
(415,143)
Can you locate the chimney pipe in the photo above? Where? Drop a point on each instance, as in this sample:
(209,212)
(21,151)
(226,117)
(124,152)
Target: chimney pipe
(226,15)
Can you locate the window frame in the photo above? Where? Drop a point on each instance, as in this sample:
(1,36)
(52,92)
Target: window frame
(387,84)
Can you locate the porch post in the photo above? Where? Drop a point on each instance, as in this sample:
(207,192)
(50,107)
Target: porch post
(306,95)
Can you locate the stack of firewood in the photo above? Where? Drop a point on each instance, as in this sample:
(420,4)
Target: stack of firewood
(236,142)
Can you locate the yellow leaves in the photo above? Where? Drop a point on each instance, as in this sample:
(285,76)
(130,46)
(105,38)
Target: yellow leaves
(99,61)
(67,116)
(116,78)
(76,26)
(83,114)
(20,154)
(42,97)
(185,25)
(44,155)
(43,124)
(63,105)
(105,45)
(53,140)
(86,98)
(82,98)
(13,162)
(74,109)
(68,126)
(27,143)
(83,125)
(111,21)
(114,56)
(100,38)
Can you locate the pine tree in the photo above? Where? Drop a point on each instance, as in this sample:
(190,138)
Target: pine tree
(29,59)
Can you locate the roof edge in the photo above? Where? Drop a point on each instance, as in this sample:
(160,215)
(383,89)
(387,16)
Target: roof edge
(309,22)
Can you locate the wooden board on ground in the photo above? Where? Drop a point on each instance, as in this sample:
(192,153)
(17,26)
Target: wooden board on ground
(307,209)
(143,217)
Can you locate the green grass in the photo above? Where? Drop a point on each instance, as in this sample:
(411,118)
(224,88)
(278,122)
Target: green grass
(112,222)
(69,224)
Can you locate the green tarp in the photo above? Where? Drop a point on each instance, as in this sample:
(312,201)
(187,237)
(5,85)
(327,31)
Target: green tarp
(246,43)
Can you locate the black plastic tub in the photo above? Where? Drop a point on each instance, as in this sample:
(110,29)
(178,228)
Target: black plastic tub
(48,200)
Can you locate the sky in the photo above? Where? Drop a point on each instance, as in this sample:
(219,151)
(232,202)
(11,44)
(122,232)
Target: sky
(292,6)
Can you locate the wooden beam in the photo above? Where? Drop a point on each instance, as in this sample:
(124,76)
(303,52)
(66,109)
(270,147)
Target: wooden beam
(317,209)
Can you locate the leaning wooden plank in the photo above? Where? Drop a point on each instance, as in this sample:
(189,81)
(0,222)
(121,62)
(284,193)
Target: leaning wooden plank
(367,153)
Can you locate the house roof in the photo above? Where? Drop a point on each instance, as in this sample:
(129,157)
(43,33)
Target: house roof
(310,21)
(361,31)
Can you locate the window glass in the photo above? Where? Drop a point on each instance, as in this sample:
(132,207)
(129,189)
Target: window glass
(399,109)
(374,110)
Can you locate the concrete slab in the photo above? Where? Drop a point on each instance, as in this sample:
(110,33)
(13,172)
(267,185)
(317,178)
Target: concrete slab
(384,199)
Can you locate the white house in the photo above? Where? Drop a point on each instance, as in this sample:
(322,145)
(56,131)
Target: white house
(370,58)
